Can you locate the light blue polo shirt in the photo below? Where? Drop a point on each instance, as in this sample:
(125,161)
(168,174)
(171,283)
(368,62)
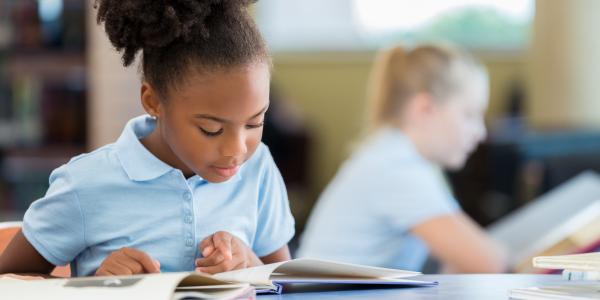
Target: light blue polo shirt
(121,195)
(366,213)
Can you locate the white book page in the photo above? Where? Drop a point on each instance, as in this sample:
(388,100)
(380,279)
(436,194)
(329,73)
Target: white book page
(281,279)
(239,291)
(306,268)
(315,267)
(256,275)
(152,287)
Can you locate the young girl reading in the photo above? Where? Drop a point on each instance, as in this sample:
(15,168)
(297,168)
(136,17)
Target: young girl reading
(188,186)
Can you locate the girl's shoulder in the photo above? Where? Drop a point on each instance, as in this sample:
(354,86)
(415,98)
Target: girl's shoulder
(91,165)
(94,156)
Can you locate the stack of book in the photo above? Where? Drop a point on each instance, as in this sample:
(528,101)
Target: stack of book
(574,267)
(581,273)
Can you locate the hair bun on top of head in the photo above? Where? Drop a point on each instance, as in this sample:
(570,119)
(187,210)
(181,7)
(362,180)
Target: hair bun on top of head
(134,25)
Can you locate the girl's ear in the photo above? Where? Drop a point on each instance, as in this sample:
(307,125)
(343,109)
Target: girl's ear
(423,105)
(150,100)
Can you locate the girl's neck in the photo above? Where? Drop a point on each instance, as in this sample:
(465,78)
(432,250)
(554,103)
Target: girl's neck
(415,137)
(159,148)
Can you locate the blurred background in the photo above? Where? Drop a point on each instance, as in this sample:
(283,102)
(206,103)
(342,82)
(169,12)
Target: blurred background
(63,90)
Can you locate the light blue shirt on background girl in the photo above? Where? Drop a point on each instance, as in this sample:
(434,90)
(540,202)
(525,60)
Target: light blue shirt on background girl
(366,213)
(121,195)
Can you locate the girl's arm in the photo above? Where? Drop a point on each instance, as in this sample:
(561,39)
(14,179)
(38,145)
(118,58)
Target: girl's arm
(282,254)
(21,257)
(461,245)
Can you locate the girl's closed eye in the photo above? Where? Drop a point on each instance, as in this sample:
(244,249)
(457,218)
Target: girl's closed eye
(211,133)
(216,132)
(253,126)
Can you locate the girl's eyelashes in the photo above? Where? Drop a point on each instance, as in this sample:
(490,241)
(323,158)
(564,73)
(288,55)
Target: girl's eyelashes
(211,133)
(220,131)
(261,124)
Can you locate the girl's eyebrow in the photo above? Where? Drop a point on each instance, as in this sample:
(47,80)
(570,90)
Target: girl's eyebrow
(221,120)
(206,116)
(262,111)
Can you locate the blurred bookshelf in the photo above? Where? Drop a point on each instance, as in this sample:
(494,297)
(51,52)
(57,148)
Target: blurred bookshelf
(42,95)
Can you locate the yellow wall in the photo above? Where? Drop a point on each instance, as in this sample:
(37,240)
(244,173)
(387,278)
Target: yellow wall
(330,89)
(564,65)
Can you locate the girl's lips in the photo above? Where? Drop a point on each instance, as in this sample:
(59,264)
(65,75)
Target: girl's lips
(227,171)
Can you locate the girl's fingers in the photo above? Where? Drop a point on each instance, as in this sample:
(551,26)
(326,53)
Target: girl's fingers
(208,251)
(128,261)
(124,268)
(142,258)
(215,259)
(112,268)
(206,246)
(222,241)
(133,266)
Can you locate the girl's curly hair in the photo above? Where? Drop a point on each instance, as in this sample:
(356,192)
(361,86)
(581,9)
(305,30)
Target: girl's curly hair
(175,36)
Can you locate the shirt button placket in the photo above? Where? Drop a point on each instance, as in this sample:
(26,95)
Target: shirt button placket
(187,196)
(188,220)
(189,242)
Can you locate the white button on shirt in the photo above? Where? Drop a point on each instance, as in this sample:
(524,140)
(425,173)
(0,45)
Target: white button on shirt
(123,196)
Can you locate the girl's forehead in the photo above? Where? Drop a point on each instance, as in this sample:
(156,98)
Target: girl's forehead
(244,79)
(224,80)
(229,93)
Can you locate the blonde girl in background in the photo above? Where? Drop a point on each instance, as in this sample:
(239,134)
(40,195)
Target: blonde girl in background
(389,205)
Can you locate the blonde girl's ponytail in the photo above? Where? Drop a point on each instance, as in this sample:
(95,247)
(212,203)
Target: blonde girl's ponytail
(380,91)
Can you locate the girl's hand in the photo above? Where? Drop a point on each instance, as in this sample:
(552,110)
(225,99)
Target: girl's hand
(223,252)
(128,261)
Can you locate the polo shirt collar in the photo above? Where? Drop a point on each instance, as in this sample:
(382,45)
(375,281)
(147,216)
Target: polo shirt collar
(139,163)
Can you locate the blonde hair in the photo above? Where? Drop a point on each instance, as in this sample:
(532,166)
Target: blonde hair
(398,75)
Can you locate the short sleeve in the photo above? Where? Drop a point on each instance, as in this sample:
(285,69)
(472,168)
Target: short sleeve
(410,197)
(275,225)
(54,223)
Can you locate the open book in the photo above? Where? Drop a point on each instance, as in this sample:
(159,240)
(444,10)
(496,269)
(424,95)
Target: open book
(239,284)
(165,286)
(269,278)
